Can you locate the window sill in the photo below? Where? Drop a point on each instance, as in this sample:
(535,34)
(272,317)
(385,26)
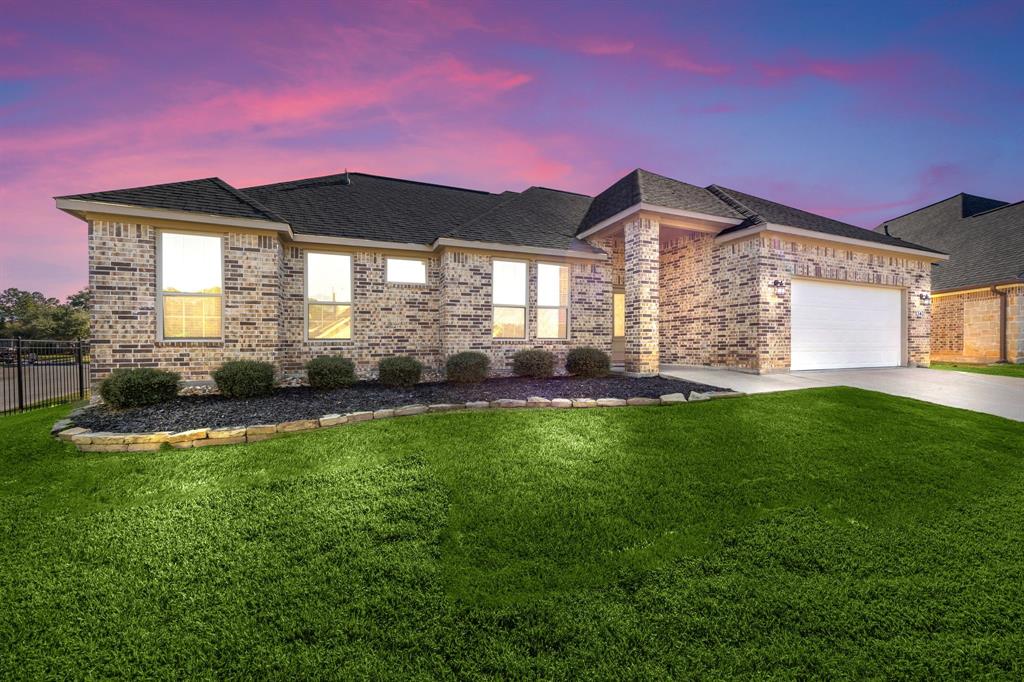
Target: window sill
(190,342)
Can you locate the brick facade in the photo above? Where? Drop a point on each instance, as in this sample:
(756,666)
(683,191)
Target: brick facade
(688,301)
(965,326)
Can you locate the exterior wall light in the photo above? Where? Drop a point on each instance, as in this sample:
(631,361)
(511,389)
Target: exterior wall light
(780,287)
(924,297)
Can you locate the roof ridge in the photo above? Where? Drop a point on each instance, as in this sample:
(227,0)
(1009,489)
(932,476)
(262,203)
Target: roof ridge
(560,191)
(133,189)
(732,202)
(512,197)
(367,175)
(248,200)
(1008,204)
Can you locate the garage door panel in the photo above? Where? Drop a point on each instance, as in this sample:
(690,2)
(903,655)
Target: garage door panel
(837,326)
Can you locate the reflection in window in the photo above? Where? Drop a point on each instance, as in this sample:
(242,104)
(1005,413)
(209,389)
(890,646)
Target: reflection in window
(329,296)
(552,301)
(508,294)
(190,286)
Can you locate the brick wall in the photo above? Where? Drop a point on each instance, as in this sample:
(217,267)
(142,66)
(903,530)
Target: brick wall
(965,327)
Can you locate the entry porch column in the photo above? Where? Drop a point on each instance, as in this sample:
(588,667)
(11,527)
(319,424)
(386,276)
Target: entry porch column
(642,266)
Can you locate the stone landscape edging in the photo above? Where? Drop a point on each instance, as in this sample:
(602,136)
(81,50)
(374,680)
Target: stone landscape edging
(106,441)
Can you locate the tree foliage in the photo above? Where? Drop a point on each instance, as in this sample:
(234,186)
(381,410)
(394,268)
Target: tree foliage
(31,315)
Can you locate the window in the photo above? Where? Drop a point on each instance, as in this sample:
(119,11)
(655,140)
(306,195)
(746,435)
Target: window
(406,271)
(508,294)
(552,301)
(618,314)
(328,296)
(189,273)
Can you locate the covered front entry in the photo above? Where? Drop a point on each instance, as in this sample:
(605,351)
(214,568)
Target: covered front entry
(841,326)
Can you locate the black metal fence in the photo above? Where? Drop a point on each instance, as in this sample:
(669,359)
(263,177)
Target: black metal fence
(42,373)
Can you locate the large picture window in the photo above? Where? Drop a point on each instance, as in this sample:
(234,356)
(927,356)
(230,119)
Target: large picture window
(508,295)
(328,296)
(191,288)
(552,301)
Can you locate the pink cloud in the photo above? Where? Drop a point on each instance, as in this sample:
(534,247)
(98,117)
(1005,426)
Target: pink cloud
(605,46)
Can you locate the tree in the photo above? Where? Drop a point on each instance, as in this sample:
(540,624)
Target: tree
(31,315)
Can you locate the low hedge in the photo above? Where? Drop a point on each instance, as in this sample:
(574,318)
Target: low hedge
(245,379)
(468,367)
(330,371)
(138,387)
(534,363)
(587,362)
(401,371)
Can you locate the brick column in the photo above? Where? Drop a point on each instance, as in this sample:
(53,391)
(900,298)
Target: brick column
(642,256)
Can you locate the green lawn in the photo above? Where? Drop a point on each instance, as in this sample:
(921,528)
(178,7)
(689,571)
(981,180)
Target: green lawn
(1005,370)
(815,534)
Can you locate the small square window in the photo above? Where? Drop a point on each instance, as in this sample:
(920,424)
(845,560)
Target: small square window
(406,271)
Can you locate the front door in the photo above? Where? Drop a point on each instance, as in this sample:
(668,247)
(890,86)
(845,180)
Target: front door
(618,326)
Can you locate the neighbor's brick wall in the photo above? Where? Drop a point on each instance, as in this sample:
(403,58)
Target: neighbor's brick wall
(783,258)
(965,327)
(466,308)
(123,321)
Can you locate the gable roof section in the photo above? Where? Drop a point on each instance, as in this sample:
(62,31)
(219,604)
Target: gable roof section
(985,245)
(539,216)
(207,195)
(758,210)
(641,186)
(361,206)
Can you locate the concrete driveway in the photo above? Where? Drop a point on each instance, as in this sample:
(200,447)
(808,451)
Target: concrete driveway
(1002,396)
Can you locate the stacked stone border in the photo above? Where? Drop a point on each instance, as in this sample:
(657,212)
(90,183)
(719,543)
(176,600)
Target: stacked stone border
(105,441)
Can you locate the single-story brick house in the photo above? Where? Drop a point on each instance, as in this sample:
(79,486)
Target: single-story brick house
(656,271)
(978,295)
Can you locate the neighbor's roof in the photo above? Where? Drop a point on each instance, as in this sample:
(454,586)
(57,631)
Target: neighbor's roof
(372,207)
(983,237)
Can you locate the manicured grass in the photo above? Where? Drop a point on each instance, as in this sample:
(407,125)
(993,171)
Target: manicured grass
(815,534)
(1006,370)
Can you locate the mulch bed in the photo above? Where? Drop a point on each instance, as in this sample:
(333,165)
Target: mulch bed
(287,404)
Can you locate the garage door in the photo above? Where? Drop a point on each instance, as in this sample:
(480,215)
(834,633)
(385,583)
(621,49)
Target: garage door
(842,325)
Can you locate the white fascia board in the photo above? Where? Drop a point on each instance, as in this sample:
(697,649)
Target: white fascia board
(359,243)
(824,236)
(80,206)
(536,250)
(663,210)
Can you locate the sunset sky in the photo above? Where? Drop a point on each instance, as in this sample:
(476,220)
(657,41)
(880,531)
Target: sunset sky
(857,110)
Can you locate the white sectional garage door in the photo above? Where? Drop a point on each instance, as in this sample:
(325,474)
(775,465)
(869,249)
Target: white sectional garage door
(836,326)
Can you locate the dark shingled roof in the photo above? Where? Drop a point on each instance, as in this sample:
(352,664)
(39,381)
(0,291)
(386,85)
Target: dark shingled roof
(537,217)
(643,186)
(758,210)
(372,207)
(208,195)
(364,206)
(983,237)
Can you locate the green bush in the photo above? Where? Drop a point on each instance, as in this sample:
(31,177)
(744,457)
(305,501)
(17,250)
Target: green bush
(330,371)
(137,387)
(468,367)
(401,371)
(245,379)
(534,363)
(587,362)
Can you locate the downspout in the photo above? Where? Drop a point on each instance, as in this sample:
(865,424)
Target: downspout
(1002,323)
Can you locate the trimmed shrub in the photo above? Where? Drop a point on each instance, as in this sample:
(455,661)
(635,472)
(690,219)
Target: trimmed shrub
(401,371)
(330,371)
(468,367)
(137,387)
(245,379)
(587,362)
(534,363)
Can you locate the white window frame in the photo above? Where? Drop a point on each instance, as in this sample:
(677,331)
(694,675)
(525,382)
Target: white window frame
(568,300)
(526,300)
(306,301)
(160,294)
(426,270)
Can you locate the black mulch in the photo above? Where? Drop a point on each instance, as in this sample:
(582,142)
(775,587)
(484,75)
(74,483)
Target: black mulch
(287,404)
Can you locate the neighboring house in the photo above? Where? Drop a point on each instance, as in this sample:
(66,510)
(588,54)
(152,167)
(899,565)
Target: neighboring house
(978,295)
(189,274)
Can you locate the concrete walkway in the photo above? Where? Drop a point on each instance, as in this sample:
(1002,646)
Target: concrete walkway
(1002,396)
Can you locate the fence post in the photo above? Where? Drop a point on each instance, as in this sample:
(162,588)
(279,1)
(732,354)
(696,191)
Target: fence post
(81,369)
(21,379)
